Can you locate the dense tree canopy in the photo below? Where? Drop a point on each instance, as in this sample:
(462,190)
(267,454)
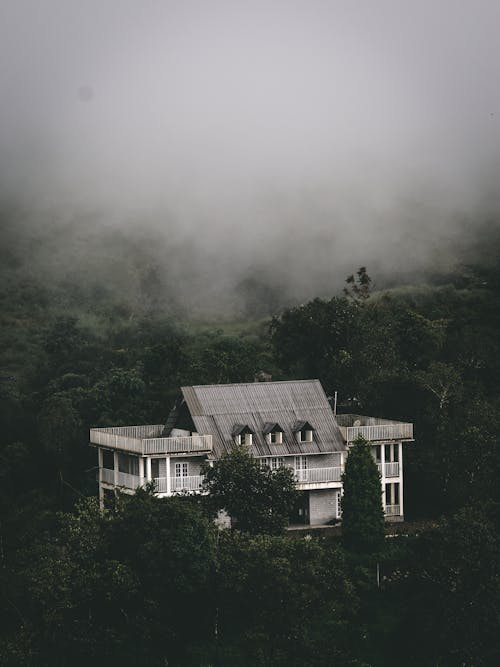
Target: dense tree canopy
(258,500)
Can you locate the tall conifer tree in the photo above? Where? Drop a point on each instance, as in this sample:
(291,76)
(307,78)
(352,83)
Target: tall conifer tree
(362,512)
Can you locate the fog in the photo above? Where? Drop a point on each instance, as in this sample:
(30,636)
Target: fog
(289,141)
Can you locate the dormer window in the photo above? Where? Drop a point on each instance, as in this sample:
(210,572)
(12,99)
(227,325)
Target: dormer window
(242,435)
(303,431)
(276,437)
(244,439)
(273,433)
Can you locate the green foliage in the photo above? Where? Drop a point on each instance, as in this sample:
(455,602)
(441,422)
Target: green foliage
(452,586)
(284,602)
(362,513)
(258,500)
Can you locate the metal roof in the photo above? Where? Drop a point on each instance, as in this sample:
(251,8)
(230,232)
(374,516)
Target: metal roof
(217,409)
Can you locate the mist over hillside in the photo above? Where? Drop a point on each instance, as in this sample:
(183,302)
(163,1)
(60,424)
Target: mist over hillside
(225,158)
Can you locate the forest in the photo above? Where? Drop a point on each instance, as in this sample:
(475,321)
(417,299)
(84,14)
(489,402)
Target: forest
(153,582)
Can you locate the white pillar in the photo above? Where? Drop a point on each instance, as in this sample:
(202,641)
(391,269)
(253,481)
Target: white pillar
(141,469)
(167,473)
(401,508)
(115,466)
(148,468)
(99,478)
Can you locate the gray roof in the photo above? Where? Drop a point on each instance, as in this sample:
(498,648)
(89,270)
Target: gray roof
(217,409)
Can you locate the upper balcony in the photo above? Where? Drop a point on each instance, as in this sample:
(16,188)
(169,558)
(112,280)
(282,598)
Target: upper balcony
(373,429)
(146,440)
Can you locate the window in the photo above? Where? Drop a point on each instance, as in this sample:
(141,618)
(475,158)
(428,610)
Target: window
(155,468)
(244,439)
(306,435)
(108,460)
(276,437)
(128,464)
(395,458)
(388,494)
(396,493)
(301,468)
(276,462)
(378,452)
(181,469)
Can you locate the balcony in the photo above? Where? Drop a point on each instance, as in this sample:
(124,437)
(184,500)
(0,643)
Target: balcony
(392,510)
(389,470)
(146,440)
(372,429)
(132,482)
(318,475)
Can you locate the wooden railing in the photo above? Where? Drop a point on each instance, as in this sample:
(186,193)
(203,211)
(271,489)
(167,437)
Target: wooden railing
(191,483)
(390,469)
(318,475)
(143,440)
(392,510)
(398,431)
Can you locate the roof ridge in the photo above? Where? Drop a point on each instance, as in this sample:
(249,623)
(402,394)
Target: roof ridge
(252,384)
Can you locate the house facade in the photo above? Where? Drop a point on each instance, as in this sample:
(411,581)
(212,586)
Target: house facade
(282,424)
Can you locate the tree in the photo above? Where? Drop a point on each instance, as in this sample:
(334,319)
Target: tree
(362,513)
(359,285)
(259,500)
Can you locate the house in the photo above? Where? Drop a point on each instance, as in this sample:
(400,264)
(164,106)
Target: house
(282,424)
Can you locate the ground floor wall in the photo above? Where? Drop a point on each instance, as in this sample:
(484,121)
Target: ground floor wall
(324,506)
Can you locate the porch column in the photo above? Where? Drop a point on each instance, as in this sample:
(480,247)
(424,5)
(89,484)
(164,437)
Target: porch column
(401,479)
(382,463)
(141,469)
(167,473)
(115,466)
(148,468)
(99,478)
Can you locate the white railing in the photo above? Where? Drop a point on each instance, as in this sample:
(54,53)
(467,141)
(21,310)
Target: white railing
(144,440)
(107,476)
(190,483)
(390,469)
(399,431)
(192,443)
(129,481)
(392,510)
(318,475)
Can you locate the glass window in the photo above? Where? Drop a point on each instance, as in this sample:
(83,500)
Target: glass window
(276,437)
(108,459)
(306,435)
(181,469)
(128,464)
(388,494)
(396,452)
(155,468)
(388,454)
(396,493)
(377,453)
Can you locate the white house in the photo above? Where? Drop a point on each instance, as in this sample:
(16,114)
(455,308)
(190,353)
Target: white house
(282,424)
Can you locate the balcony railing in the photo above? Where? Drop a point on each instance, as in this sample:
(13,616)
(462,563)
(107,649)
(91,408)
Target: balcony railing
(390,469)
(145,440)
(127,481)
(318,475)
(397,431)
(392,510)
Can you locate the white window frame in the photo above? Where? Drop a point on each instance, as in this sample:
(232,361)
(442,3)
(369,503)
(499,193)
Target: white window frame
(181,470)
(308,435)
(276,437)
(300,467)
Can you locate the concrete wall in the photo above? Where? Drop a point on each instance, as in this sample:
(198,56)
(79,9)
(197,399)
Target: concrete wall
(322,506)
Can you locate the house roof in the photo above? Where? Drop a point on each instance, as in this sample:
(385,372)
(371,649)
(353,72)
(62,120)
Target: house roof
(217,409)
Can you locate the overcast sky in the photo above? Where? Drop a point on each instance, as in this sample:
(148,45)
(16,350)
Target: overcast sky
(341,125)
